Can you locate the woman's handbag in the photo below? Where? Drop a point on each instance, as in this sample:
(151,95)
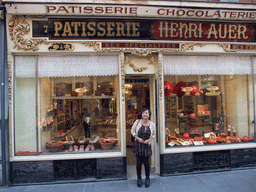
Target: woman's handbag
(132,138)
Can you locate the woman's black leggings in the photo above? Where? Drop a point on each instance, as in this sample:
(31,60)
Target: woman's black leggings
(145,161)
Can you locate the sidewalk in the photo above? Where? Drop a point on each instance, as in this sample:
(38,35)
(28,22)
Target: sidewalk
(228,181)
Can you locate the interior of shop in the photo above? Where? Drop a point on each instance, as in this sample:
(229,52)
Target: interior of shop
(137,97)
(77,114)
(208,109)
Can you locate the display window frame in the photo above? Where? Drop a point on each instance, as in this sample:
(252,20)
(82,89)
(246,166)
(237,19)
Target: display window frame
(202,148)
(61,156)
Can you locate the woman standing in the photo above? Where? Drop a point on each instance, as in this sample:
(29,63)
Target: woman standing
(144,132)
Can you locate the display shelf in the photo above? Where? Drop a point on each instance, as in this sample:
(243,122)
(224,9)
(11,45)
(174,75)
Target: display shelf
(213,94)
(85,97)
(206,94)
(66,133)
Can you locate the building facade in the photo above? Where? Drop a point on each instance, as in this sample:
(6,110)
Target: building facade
(4,153)
(80,73)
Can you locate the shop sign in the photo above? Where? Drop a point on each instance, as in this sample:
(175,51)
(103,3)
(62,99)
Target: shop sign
(115,29)
(169,12)
(242,47)
(140,45)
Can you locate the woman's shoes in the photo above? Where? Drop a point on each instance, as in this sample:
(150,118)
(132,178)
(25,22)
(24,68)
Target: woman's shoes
(139,182)
(147,183)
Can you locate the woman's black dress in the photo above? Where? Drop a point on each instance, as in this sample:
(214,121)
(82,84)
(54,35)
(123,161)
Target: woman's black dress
(140,148)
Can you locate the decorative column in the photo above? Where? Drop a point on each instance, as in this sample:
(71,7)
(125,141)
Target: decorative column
(10,94)
(122,120)
(161,114)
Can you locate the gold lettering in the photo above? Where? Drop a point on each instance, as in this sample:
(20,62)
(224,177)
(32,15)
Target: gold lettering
(174,32)
(200,30)
(231,31)
(128,29)
(135,29)
(212,31)
(102,29)
(183,26)
(192,28)
(57,27)
(110,32)
(119,29)
(242,30)
(91,27)
(76,24)
(161,29)
(224,31)
(83,29)
(67,29)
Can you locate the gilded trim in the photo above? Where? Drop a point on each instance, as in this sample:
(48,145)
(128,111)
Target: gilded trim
(128,60)
(190,46)
(9,64)
(122,76)
(226,47)
(160,65)
(18,28)
(161,101)
(61,47)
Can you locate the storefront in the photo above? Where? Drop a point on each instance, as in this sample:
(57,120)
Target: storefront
(80,74)
(4,154)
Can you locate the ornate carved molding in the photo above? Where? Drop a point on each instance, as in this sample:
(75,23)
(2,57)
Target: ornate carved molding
(128,60)
(18,28)
(226,48)
(9,64)
(61,47)
(190,46)
(160,75)
(152,61)
(122,58)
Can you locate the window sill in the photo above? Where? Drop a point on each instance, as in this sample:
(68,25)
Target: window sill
(66,156)
(215,147)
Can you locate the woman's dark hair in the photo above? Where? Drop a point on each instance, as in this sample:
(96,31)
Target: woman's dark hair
(146,109)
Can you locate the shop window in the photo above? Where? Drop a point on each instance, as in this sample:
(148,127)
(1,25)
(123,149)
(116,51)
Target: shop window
(208,109)
(25,105)
(76,114)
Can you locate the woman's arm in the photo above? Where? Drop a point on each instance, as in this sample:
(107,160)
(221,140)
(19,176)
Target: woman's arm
(133,130)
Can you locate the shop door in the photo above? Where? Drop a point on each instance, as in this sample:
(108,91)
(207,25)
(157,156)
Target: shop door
(139,94)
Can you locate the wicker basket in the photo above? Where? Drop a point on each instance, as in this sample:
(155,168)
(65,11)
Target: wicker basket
(55,148)
(106,146)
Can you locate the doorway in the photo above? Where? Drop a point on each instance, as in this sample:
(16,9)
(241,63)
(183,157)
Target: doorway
(138,95)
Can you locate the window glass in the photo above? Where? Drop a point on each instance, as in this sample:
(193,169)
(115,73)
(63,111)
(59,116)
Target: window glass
(209,109)
(25,106)
(58,111)
(77,118)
